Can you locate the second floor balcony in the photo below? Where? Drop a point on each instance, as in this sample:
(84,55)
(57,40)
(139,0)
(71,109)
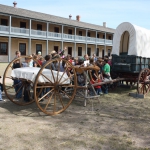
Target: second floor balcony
(52,35)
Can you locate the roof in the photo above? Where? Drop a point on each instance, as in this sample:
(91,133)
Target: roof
(139,40)
(9,10)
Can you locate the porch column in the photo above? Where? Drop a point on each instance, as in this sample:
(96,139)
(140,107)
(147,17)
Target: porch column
(96,43)
(46,47)
(96,49)
(86,42)
(86,48)
(9,49)
(30,27)
(47,29)
(105,45)
(9,24)
(29,47)
(62,32)
(75,30)
(75,50)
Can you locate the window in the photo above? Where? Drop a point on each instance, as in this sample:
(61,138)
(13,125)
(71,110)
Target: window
(22,24)
(39,27)
(109,52)
(103,36)
(79,51)
(97,52)
(56,48)
(4,22)
(97,35)
(80,33)
(38,48)
(109,37)
(56,29)
(88,34)
(70,50)
(89,51)
(103,53)
(22,48)
(3,48)
(69,31)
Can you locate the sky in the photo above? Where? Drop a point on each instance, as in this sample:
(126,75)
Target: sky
(113,12)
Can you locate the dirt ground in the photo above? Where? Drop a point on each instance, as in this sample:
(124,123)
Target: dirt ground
(115,121)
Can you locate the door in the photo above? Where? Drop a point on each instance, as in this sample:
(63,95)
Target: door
(89,51)
(23,26)
(56,48)
(70,50)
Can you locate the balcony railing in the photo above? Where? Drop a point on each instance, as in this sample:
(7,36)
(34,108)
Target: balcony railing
(54,35)
(101,41)
(38,33)
(91,39)
(68,36)
(80,38)
(19,30)
(59,36)
(4,29)
(109,42)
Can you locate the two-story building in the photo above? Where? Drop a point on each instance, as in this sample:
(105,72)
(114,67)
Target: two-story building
(29,32)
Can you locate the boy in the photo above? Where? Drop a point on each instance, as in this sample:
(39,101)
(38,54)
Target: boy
(97,87)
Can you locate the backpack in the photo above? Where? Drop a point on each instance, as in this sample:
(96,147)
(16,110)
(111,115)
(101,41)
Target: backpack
(80,78)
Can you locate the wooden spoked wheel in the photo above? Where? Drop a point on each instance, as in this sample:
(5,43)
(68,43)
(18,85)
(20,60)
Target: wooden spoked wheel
(19,91)
(143,84)
(55,90)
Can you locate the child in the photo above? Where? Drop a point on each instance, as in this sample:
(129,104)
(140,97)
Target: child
(25,63)
(97,87)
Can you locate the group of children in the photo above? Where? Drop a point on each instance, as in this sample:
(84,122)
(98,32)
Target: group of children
(96,77)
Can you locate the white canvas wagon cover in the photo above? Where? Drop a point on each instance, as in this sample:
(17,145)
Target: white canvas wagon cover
(139,40)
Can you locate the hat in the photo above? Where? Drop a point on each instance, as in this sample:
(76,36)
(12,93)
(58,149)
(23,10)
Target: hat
(53,52)
(39,52)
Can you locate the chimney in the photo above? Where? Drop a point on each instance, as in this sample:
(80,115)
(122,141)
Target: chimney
(78,18)
(70,16)
(15,4)
(104,24)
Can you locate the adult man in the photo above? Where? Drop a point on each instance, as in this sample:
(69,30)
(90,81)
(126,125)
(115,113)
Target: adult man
(106,75)
(106,69)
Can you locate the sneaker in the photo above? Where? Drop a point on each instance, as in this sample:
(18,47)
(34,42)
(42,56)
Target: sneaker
(101,93)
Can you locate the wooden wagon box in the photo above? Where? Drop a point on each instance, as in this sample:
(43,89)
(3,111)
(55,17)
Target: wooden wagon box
(129,63)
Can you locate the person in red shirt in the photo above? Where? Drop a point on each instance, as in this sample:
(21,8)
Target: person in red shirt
(97,87)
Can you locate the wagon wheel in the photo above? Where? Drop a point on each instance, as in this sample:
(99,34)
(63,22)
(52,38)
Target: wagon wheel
(143,84)
(19,91)
(55,90)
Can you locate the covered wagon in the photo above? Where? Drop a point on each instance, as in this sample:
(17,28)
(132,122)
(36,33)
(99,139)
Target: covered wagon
(131,55)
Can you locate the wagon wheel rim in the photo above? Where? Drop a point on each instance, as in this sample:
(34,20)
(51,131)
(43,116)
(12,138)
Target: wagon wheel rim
(15,91)
(143,84)
(58,89)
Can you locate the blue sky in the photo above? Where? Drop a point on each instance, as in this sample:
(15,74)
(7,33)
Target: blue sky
(113,12)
